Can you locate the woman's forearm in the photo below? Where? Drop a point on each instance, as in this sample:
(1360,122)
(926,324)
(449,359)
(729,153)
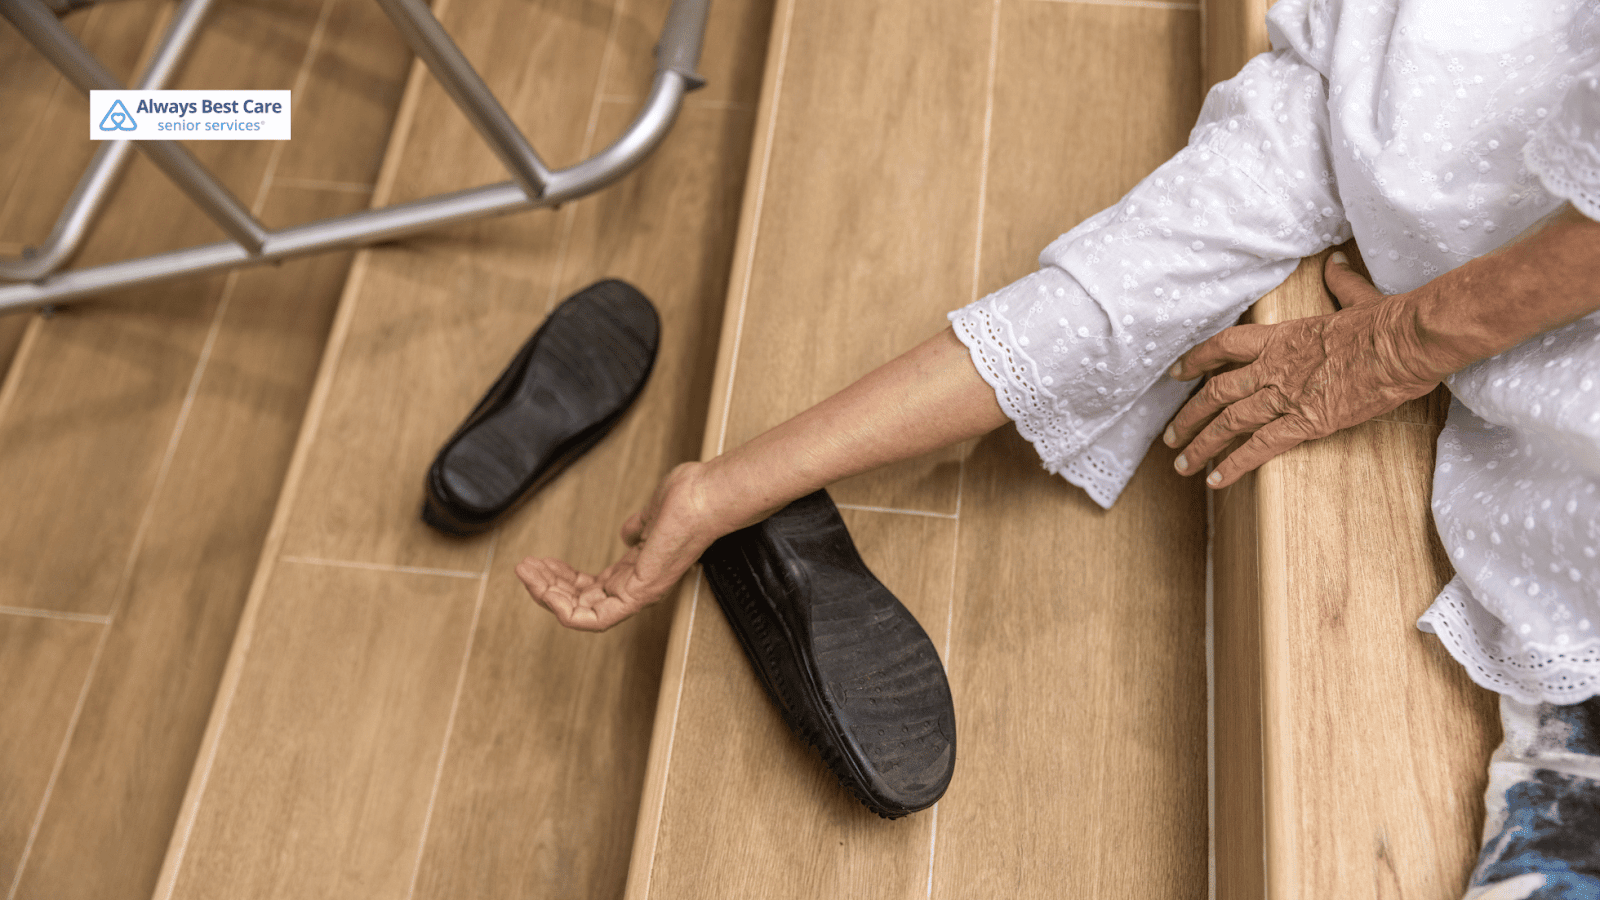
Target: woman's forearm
(927,398)
(1546,278)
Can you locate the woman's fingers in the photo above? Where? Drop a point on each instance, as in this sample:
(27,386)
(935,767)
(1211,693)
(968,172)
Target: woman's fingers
(1239,344)
(1234,421)
(550,582)
(1346,284)
(1270,440)
(1214,396)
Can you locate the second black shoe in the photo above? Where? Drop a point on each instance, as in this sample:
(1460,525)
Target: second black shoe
(847,664)
(566,387)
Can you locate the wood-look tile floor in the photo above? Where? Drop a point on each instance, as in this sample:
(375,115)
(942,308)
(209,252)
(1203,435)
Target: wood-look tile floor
(974,133)
(144,437)
(398,719)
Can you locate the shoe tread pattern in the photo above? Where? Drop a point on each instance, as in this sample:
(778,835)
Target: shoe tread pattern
(852,670)
(566,388)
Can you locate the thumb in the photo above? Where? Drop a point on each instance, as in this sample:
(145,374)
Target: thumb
(1348,287)
(633,530)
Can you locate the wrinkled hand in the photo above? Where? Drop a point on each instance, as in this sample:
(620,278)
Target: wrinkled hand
(1302,379)
(664,541)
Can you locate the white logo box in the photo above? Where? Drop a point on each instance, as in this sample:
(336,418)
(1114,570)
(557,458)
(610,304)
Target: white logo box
(189,115)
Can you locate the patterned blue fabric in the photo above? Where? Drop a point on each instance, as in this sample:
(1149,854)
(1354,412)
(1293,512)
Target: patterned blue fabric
(1546,845)
(1552,828)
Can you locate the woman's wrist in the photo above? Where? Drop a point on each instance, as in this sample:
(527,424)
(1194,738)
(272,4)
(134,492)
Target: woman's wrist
(1431,343)
(1540,281)
(729,493)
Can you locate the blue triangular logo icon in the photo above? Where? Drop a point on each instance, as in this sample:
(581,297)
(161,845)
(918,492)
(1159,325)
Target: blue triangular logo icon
(118,118)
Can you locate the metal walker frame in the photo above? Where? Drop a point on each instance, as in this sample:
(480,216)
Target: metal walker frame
(42,283)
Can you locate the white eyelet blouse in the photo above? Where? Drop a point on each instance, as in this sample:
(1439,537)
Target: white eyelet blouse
(1433,131)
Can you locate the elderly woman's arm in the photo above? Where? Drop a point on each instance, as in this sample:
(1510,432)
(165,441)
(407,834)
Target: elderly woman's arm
(930,397)
(1308,378)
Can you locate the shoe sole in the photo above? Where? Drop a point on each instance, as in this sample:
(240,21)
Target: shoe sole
(607,312)
(862,644)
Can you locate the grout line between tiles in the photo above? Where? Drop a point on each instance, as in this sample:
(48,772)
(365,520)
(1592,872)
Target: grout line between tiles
(768,130)
(382,567)
(903,512)
(125,578)
(54,614)
(450,722)
(983,159)
(316,184)
(690,100)
(11,376)
(313,45)
(211,741)
(755,226)
(570,212)
(60,760)
(1143,4)
(961,462)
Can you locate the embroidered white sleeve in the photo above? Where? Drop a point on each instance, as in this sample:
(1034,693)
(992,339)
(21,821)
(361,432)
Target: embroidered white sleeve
(1565,149)
(1077,351)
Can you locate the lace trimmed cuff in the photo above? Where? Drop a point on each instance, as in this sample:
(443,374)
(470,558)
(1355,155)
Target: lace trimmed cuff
(1099,454)
(1565,150)
(1016,382)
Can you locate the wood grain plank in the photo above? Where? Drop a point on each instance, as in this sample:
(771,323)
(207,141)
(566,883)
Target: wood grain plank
(42,665)
(542,59)
(555,726)
(343,116)
(540,792)
(146,710)
(12,328)
(434,319)
(1392,807)
(45,146)
(868,223)
(1078,650)
(1239,800)
(113,376)
(752,810)
(325,764)
(731,59)
(1058,156)
(87,412)
(667,228)
(1235,30)
(1347,559)
(1078,664)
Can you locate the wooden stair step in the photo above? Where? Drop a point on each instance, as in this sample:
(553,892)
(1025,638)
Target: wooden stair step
(397,718)
(908,158)
(144,435)
(1351,751)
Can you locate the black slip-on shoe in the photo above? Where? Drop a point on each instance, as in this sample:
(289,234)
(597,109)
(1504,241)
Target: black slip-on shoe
(566,387)
(847,664)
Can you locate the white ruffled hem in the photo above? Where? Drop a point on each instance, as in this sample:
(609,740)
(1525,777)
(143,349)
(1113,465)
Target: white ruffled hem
(1015,380)
(1063,450)
(1530,673)
(1567,163)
